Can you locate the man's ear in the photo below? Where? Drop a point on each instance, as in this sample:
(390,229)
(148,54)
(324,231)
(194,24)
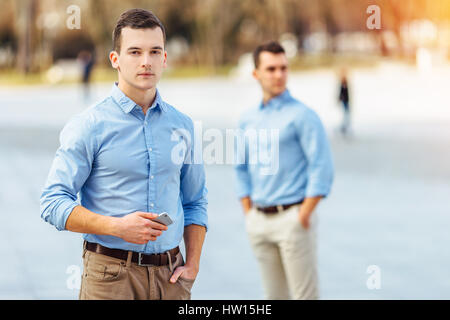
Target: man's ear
(114,59)
(165,59)
(255,74)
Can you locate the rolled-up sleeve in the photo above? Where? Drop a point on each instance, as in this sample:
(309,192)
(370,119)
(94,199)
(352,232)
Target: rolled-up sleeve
(242,176)
(70,169)
(314,142)
(193,188)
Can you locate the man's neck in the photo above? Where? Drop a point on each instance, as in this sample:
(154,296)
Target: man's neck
(267,96)
(143,98)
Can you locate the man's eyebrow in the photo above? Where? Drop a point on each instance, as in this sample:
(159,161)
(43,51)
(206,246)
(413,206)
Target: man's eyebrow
(137,48)
(133,48)
(274,67)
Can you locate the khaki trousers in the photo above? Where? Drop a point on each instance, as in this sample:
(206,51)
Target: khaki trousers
(107,278)
(286,253)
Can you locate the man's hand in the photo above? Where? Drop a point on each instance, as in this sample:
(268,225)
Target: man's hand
(304,217)
(186,271)
(307,209)
(194,235)
(138,227)
(247,204)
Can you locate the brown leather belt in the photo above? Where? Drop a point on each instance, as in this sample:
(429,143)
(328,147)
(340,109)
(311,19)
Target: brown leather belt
(157,259)
(278,208)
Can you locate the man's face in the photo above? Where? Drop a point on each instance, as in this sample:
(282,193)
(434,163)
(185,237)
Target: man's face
(142,57)
(272,72)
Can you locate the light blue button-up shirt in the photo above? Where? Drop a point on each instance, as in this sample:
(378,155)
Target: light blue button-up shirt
(304,163)
(121,161)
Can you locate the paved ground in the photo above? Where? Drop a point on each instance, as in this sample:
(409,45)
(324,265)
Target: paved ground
(389,206)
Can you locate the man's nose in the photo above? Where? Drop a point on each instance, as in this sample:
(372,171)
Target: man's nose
(278,74)
(146,61)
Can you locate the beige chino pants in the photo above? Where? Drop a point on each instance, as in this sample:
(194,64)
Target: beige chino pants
(107,278)
(286,253)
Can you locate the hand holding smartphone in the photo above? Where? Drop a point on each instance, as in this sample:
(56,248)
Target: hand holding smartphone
(164,219)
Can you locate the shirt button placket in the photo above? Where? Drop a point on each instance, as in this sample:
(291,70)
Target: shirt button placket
(150,155)
(150,149)
(151,187)
(147,142)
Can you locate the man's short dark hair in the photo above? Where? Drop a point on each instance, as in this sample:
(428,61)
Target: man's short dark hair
(135,19)
(272,46)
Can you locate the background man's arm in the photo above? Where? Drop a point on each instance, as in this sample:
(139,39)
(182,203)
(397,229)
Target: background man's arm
(307,208)
(315,145)
(246,203)
(242,175)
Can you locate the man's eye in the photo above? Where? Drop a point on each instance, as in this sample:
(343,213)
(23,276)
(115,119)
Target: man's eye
(134,52)
(155,52)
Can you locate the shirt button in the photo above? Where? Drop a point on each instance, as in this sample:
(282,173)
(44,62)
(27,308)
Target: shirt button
(151,177)
(150,149)
(151,204)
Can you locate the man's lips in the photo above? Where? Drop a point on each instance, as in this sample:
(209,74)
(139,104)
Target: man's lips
(146,74)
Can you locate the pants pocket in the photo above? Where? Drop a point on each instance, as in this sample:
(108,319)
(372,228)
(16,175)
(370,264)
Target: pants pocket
(103,268)
(186,285)
(180,290)
(249,220)
(104,278)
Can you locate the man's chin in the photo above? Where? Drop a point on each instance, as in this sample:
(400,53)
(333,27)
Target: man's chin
(277,91)
(144,85)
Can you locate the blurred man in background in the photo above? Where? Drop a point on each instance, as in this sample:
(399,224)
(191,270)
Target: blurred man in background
(118,155)
(279,206)
(344,99)
(87,61)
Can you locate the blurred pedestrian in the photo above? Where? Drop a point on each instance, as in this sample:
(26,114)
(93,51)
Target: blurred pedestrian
(118,156)
(87,60)
(279,206)
(344,99)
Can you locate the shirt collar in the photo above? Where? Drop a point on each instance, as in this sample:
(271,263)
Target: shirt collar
(126,104)
(278,101)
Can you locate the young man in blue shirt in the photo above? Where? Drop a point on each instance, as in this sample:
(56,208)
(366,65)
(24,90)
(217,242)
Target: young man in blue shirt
(279,203)
(118,156)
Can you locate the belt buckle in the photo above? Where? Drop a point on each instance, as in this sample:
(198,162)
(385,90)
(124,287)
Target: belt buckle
(140,261)
(279,208)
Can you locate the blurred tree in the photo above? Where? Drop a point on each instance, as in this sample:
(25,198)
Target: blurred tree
(218,32)
(27,33)
(8,38)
